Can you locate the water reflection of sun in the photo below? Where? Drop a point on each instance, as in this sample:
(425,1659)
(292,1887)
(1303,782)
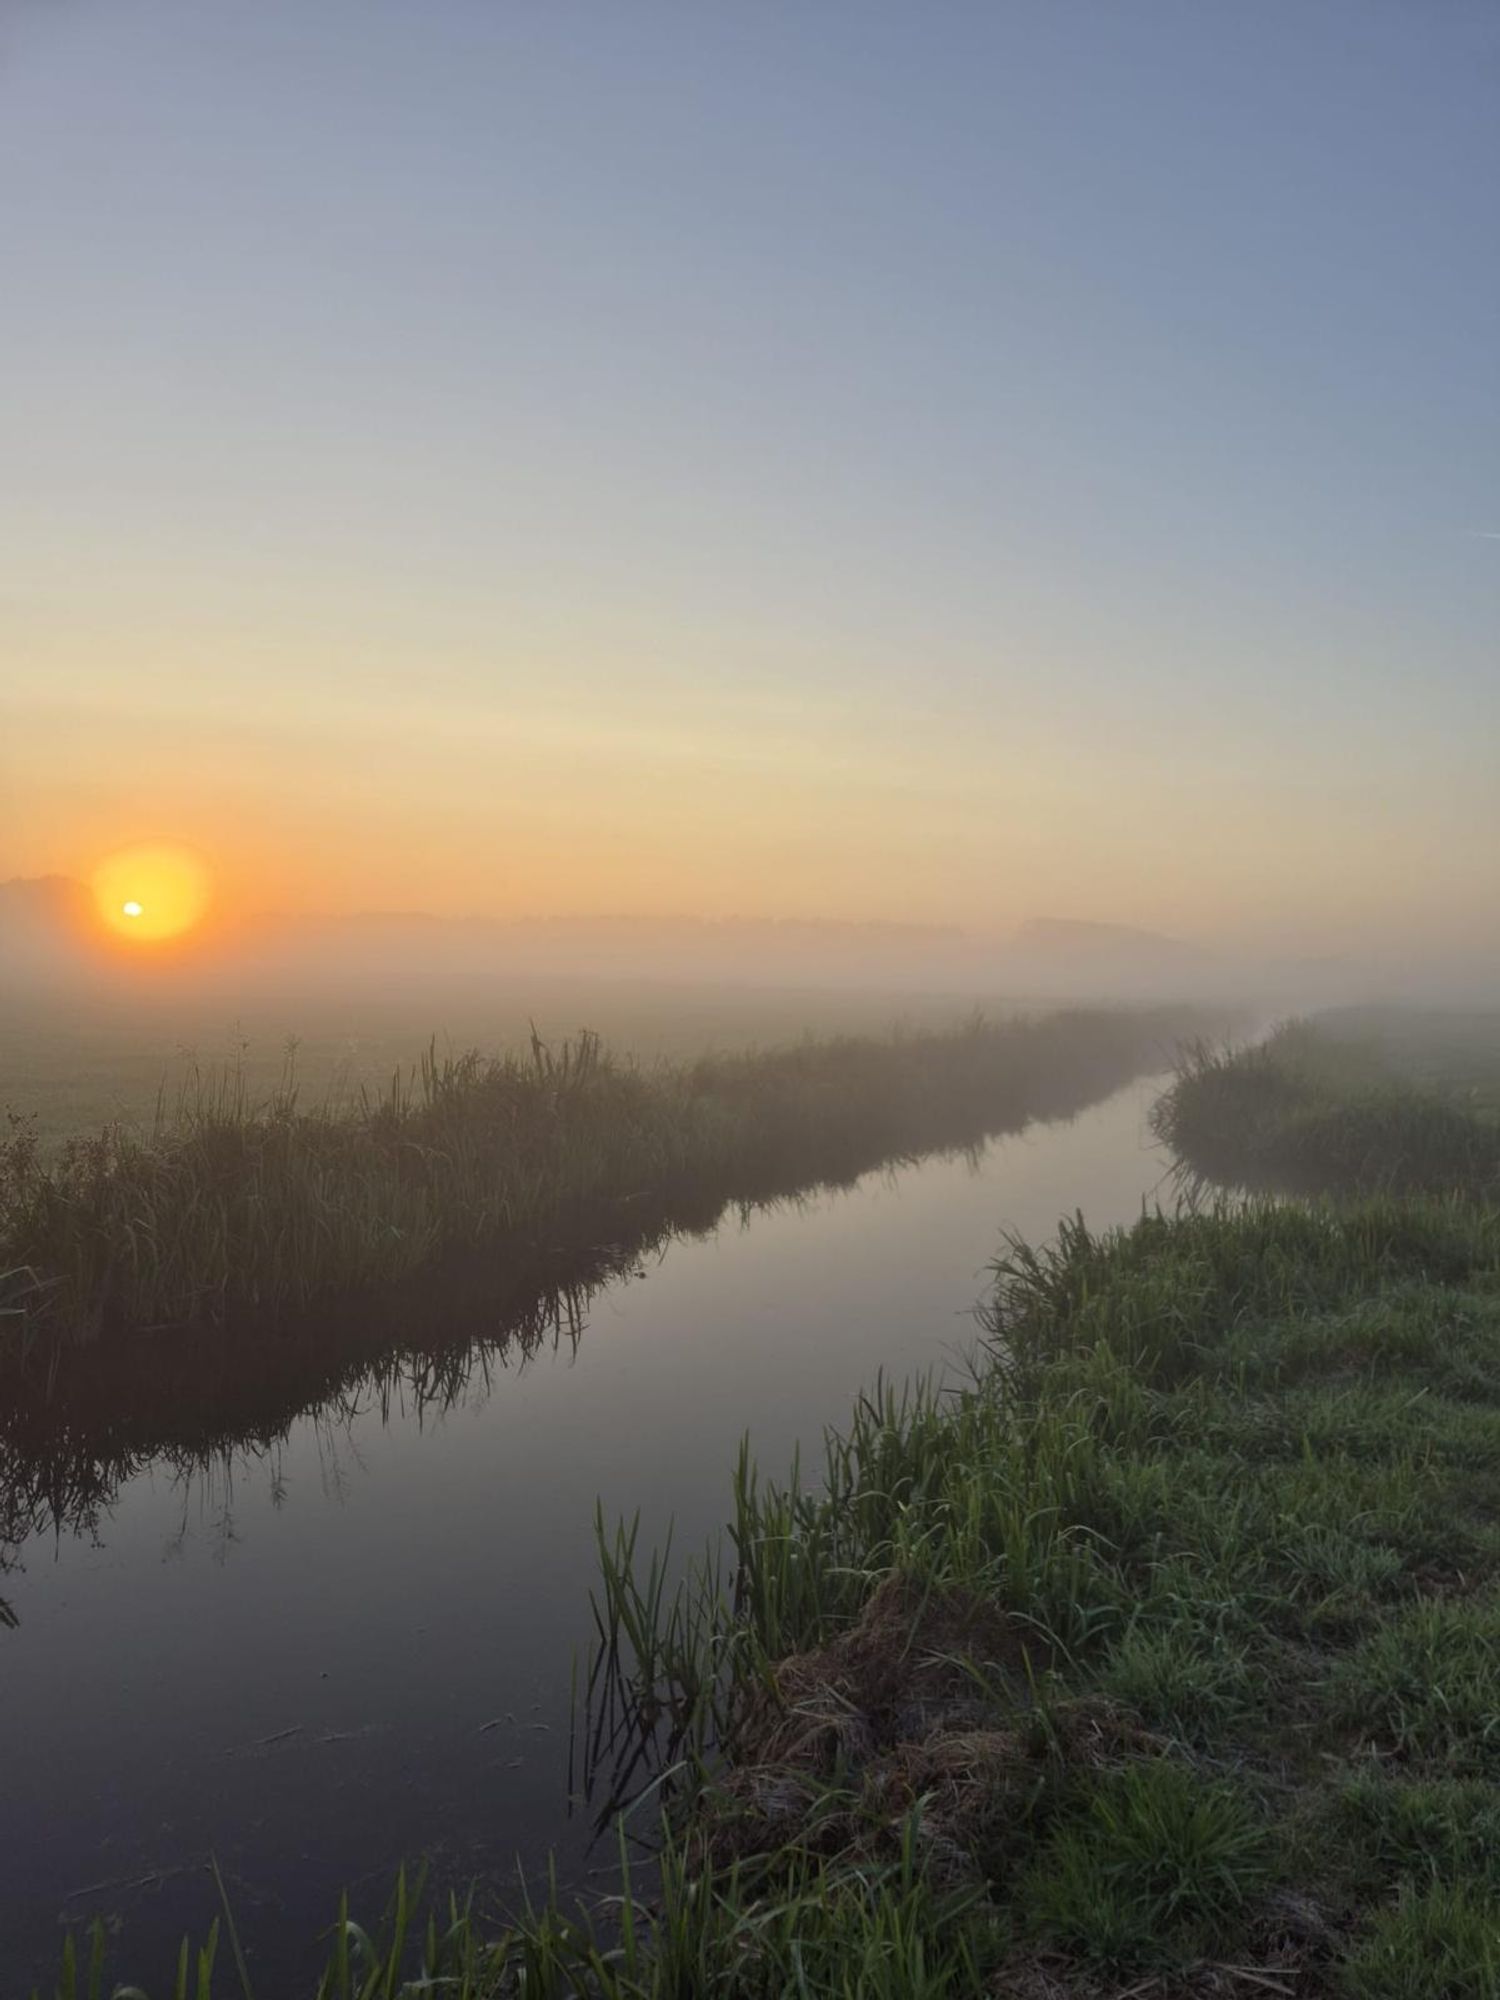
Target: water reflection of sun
(151,892)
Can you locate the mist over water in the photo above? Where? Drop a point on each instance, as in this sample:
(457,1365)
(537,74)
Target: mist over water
(660,670)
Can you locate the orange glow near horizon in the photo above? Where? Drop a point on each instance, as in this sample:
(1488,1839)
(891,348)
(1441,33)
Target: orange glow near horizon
(150,893)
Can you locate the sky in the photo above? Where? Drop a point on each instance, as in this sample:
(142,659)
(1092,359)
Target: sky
(931,463)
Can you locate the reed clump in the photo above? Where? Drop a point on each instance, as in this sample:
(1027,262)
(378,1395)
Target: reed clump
(1310,1114)
(1150,1636)
(232,1209)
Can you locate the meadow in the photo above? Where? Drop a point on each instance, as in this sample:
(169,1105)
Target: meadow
(1164,1651)
(1453,1053)
(1354,1103)
(72,1063)
(233,1208)
(1158,1657)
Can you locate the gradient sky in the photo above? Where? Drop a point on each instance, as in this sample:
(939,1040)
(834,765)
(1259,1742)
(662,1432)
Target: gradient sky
(957,462)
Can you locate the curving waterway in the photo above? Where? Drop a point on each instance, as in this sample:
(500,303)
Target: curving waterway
(311,1654)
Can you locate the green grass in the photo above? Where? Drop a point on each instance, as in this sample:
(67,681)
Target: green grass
(74,1063)
(1168,1642)
(1436,1944)
(1155,1866)
(1422,1687)
(1161,1655)
(1140,1617)
(1450,1053)
(1310,1111)
(875,1932)
(232,1209)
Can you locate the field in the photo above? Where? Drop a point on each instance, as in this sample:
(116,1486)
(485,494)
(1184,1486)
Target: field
(1160,1657)
(74,1065)
(236,1209)
(1319,1108)
(1453,1055)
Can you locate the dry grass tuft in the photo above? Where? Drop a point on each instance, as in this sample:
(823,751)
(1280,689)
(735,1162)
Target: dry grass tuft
(914,1664)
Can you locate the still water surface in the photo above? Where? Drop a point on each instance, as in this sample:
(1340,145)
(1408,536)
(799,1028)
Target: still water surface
(356,1646)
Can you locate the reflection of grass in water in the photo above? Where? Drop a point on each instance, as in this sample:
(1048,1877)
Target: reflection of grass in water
(1166,1651)
(81,1420)
(72,1439)
(234,1209)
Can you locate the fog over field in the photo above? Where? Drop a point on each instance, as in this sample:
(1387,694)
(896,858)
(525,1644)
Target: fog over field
(749,999)
(87,1034)
(50,942)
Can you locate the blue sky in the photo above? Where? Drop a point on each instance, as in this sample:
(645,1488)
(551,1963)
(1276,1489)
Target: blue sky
(863,460)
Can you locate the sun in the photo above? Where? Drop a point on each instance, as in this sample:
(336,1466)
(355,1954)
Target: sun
(151,892)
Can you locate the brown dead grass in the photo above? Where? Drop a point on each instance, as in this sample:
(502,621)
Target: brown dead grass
(895,1677)
(928,1699)
(832,1757)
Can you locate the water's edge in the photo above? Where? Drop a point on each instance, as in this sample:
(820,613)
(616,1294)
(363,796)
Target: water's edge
(331,1642)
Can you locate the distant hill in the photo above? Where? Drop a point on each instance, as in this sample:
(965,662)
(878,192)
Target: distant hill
(1069,937)
(734,949)
(48,936)
(48,939)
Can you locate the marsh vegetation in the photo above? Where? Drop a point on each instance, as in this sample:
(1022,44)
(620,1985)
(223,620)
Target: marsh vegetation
(322,1565)
(233,1209)
(1157,1655)
(1165,1649)
(1339,1108)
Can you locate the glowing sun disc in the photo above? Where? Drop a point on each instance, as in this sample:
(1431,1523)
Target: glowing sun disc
(150,892)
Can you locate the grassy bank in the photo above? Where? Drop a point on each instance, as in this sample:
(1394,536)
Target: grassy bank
(1317,1110)
(232,1209)
(1173,1645)
(1452,1053)
(1163,1659)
